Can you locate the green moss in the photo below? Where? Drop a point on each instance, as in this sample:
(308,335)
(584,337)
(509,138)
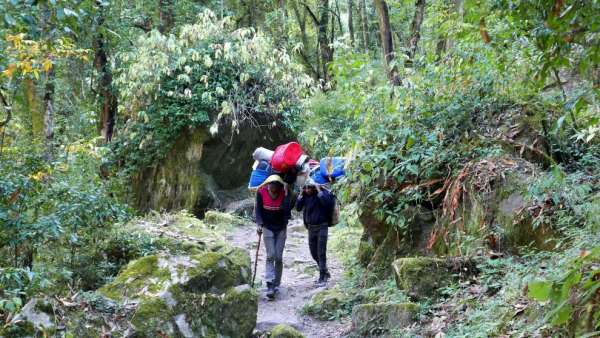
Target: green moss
(222,219)
(378,318)
(284,331)
(214,271)
(140,274)
(151,315)
(232,314)
(421,276)
(177,182)
(326,304)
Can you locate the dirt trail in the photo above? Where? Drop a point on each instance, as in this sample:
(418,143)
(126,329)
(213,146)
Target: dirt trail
(299,274)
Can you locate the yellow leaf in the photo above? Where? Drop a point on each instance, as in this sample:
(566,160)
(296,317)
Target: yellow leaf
(47,65)
(26,67)
(10,70)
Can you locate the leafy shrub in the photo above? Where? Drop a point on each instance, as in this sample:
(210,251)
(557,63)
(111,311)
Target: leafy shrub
(209,75)
(574,296)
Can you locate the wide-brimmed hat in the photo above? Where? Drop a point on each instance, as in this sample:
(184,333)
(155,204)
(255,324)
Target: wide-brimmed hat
(310,182)
(273,179)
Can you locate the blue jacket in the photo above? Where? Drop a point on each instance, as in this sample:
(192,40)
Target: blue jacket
(317,207)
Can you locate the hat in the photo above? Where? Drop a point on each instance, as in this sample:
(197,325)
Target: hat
(310,182)
(272,179)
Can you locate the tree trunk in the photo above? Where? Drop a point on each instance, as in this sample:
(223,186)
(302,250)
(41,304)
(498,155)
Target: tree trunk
(165,8)
(48,89)
(339,17)
(415,28)
(444,43)
(350,23)
(105,86)
(32,106)
(325,50)
(386,40)
(301,19)
(365,24)
(49,113)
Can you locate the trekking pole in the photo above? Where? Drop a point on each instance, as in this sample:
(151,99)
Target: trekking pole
(256,258)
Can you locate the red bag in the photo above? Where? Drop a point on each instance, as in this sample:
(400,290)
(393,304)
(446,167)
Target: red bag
(286,156)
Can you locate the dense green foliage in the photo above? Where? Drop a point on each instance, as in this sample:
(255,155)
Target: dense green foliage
(487,94)
(211,75)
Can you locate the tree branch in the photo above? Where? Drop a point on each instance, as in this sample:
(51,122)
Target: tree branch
(312,15)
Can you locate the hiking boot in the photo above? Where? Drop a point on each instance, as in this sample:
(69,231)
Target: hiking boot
(323,277)
(270,291)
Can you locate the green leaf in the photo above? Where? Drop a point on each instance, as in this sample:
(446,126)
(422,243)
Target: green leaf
(562,314)
(70,12)
(9,19)
(539,290)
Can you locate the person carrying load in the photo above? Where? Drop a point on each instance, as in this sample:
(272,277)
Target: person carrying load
(317,205)
(272,213)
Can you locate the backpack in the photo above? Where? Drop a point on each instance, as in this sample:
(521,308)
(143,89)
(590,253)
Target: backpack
(335,213)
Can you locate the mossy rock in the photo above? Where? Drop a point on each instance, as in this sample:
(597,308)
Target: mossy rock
(381,242)
(421,276)
(228,314)
(35,319)
(325,304)
(284,331)
(200,295)
(223,219)
(376,319)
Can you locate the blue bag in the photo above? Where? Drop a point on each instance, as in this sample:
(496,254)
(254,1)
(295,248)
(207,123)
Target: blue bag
(259,174)
(332,166)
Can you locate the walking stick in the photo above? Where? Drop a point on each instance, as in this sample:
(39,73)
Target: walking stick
(256,258)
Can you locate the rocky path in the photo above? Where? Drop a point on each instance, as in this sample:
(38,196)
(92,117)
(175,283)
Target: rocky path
(299,274)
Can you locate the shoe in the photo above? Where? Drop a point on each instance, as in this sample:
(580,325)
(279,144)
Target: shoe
(270,291)
(322,279)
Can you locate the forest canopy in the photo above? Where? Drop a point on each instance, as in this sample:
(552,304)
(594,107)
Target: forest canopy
(471,129)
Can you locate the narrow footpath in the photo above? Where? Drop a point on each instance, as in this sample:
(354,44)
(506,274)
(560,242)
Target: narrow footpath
(299,274)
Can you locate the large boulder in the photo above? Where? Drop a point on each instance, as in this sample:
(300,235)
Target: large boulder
(202,171)
(424,276)
(381,242)
(36,318)
(191,296)
(485,207)
(380,319)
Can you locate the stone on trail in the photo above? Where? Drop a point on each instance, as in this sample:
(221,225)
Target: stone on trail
(284,331)
(326,303)
(375,319)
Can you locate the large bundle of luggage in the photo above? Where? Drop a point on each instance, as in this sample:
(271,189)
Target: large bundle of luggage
(293,165)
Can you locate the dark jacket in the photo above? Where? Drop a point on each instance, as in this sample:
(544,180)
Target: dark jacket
(317,207)
(274,220)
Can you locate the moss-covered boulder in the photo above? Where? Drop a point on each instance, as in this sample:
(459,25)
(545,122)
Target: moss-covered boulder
(326,304)
(485,207)
(424,276)
(190,296)
(379,319)
(421,276)
(381,242)
(284,331)
(203,171)
(36,319)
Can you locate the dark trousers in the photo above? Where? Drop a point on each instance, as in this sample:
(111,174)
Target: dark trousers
(317,242)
